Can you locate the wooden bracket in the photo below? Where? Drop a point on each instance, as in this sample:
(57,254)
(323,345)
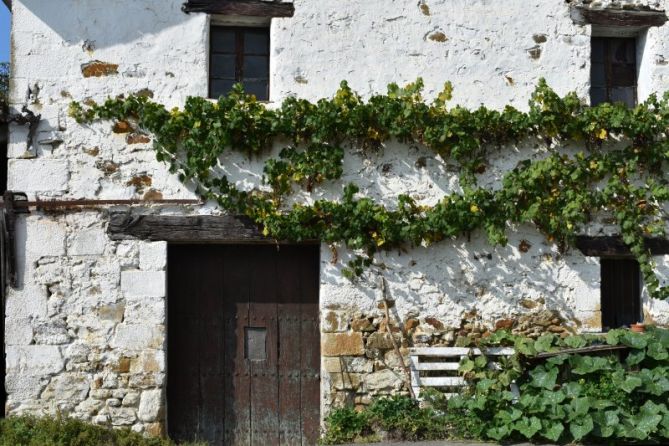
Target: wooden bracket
(254,8)
(636,18)
(14,203)
(613,246)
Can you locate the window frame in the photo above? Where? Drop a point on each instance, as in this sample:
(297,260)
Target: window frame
(609,83)
(240,30)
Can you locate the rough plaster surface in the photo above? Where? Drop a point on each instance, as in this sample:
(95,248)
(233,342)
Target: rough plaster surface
(86,328)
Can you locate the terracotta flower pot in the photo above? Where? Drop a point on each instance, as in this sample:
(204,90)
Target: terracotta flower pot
(638,328)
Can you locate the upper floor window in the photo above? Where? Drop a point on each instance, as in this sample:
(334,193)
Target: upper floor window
(613,73)
(239,55)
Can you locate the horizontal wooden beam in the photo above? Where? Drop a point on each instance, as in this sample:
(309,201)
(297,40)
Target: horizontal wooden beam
(613,246)
(184,229)
(637,18)
(255,8)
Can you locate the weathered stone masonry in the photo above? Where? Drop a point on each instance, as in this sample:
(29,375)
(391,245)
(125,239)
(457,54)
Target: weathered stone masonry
(86,328)
(86,332)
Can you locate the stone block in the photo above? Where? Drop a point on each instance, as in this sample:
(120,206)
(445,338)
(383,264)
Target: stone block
(155,429)
(138,337)
(358,364)
(23,386)
(362,324)
(88,242)
(97,68)
(67,386)
(151,405)
(18,331)
(345,381)
(28,302)
(35,359)
(148,361)
(146,380)
(38,175)
(333,365)
(149,310)
(382,341)
(44,238)
(52,332)
(122,416)
(381,380)
(131,399)
(89,407)
(411,323)
(152,256)
(342,344)
(143,283)
(334,322)
(76,353)
(434,322)
(112,312)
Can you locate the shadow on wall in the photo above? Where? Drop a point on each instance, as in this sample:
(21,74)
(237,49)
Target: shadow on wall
(460,277)
(101,23)
(454,277)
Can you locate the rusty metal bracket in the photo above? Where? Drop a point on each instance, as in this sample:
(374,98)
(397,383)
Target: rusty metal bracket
(26,116)
(14,203)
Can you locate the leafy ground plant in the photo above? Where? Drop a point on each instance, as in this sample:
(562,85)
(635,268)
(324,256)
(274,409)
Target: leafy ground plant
(618,397)
(46,431)
(614,397)
(390,419)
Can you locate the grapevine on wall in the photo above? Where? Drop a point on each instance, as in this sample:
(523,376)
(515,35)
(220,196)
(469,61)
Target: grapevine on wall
(559,194)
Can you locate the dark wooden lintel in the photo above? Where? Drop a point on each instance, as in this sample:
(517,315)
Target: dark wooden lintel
(583,350)
(184,229)
(255,8)
(637,18)
(613,246)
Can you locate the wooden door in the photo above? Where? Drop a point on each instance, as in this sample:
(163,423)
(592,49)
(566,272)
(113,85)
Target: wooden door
(243,345)
(621,292)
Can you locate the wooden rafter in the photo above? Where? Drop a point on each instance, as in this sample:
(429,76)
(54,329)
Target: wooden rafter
(613,246)
(635,18)
(255,8)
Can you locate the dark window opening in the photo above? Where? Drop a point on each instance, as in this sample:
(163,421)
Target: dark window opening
(239,55)
(613,73)
(621,293)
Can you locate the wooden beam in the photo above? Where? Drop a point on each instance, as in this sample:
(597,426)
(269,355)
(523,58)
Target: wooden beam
(636,18)
(184,229)
(8,4)
(255,8)
(582,350)
(613,246)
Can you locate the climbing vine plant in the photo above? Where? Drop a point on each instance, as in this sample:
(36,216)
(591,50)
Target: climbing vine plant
(559,193)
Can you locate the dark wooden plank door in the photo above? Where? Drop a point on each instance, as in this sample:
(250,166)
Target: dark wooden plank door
(621,292)
(243,345)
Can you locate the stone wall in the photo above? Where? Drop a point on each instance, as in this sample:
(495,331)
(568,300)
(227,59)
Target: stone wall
(360,361)
(86,328)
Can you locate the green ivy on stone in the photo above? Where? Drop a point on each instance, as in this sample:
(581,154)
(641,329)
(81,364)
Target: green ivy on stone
(559,194)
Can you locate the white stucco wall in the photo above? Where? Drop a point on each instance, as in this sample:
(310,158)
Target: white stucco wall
(79,315)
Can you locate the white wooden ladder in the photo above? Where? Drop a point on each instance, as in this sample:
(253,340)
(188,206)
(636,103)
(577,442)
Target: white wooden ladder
(438,366)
